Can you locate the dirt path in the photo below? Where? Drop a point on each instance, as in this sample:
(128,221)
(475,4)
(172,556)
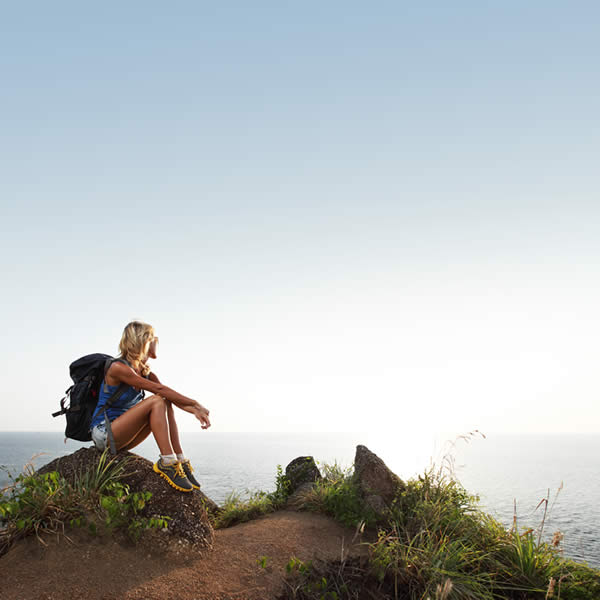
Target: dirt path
(104,570)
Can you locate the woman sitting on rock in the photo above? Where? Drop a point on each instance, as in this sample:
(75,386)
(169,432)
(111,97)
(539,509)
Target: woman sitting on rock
(132,418)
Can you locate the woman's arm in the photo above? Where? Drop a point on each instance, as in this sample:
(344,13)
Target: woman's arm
(127,375)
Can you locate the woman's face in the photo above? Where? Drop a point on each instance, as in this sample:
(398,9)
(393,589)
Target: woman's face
(153,347)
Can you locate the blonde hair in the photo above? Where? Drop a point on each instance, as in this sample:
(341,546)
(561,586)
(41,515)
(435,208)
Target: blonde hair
(135,343)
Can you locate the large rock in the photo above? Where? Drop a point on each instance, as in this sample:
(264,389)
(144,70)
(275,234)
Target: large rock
(377,484)
(302,470)
(189,527)
(302,474)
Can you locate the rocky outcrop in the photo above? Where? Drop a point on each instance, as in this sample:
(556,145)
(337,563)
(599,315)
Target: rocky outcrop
(377,484)
(189,527)
(302,470)
(302,473)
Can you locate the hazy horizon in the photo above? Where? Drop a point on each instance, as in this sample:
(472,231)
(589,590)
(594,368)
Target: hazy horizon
(336,217)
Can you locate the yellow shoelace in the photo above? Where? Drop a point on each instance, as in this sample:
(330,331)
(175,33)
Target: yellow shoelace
(179,470)
(189,466)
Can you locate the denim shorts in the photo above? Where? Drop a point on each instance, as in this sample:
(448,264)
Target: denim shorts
(100,435)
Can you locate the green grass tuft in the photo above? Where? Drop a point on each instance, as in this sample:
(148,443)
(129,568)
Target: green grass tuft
(235,509)
(337,495)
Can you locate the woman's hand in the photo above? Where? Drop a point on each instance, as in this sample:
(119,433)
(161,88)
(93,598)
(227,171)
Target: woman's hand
(201,414)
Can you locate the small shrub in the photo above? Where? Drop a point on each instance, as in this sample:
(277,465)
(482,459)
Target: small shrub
(36,504)
(282,489)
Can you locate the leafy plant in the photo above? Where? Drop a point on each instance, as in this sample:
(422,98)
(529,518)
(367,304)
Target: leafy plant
(295,564)
(262,562)
(122,510)
(36,504)
(282,489)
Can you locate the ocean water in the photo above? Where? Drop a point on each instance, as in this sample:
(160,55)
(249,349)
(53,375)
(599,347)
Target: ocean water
(523,470)
(503,470)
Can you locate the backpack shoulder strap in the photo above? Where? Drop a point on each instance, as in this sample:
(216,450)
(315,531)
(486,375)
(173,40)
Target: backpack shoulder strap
(122,386)
(110,361)
(110,401)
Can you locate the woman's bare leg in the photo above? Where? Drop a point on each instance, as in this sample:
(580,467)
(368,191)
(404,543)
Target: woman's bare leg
(145,431)
(153,412)
(173,431)
(138,438)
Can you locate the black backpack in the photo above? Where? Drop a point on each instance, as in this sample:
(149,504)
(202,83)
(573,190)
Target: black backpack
(81,398)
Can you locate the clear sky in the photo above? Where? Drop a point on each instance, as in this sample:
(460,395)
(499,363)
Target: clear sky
(339,216)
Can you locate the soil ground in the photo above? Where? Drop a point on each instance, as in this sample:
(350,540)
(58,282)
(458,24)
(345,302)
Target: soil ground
(99,569)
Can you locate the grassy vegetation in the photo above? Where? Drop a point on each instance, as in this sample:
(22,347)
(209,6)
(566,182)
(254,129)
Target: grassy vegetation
(235,509)
(435,543)
(48,504)
(337,495)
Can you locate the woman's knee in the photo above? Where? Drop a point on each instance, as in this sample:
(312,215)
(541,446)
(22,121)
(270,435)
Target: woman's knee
(156,401)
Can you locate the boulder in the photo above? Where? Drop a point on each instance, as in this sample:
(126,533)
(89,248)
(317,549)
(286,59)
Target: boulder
(302,470)
(377,484)
(302,473)
(189,527)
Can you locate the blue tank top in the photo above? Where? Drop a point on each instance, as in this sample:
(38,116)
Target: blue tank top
(130,398)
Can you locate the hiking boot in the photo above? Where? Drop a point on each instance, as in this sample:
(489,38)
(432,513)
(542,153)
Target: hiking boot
(174,474)
(188,470)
